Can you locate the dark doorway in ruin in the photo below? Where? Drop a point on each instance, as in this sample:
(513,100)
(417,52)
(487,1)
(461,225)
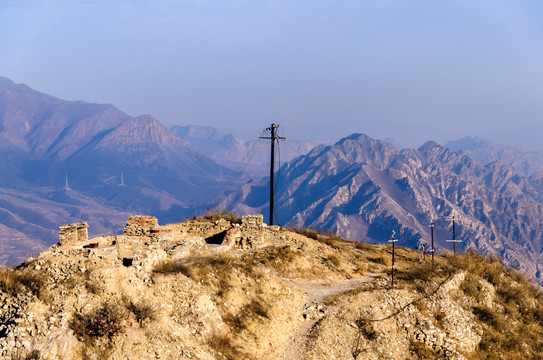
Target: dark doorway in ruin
(216,239)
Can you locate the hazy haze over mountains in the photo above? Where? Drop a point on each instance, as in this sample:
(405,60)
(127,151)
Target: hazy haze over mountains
(486,151)
(230,150)
(322,69)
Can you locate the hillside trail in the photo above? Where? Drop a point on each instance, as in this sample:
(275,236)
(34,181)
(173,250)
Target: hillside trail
(314,310)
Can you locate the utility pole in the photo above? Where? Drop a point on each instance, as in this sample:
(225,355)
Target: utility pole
(454,241)
(273,137)
(433,250)
(393,241)
(454,238)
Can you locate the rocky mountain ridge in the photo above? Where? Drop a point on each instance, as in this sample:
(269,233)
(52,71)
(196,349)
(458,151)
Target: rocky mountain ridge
(364,189)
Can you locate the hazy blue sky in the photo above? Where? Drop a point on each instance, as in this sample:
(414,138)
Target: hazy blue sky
(409,70)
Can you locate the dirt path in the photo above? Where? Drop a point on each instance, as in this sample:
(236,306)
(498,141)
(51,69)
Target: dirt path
(314,310)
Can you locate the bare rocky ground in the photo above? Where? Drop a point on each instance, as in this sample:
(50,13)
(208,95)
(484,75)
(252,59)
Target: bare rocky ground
(216,290)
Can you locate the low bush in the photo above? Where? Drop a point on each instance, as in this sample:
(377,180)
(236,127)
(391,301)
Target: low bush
(32,355)
(142,312)
(334,260)
(108,320)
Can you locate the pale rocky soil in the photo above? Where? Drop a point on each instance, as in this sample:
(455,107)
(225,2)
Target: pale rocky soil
(279,296)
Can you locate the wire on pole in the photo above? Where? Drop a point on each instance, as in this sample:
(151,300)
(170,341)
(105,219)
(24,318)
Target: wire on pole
(253,150)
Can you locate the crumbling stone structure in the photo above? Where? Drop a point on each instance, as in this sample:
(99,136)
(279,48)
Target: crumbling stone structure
(73,233)
(248,234)
(142,225)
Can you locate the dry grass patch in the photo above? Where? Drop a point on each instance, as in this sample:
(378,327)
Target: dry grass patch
(513,327)
(255,310)
(217,214)
(334,260)
(15,281)
(214,271)
(224,347)
(326,237)
(142,311)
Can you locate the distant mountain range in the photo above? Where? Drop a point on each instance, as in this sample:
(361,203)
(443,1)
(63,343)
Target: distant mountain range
(485,151)
(364,189)
(230,150)
(46,142)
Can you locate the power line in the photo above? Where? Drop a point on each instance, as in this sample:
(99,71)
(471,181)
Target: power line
(249,154)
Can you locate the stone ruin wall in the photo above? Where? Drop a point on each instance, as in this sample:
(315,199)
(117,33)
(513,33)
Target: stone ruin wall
(142,225)
(73,233)
(245,235)
(248,234)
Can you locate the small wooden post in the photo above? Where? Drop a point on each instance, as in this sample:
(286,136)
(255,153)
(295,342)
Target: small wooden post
(117,245)
(393,241)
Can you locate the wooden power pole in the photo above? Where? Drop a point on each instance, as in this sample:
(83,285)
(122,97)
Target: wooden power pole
(393,241)
(433,250)
(273,137)
(454,240)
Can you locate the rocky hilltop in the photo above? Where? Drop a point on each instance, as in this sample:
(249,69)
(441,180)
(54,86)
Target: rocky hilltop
(229,288)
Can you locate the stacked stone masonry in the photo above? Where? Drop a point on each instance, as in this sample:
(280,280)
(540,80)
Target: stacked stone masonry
(142,225)
(73,233)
